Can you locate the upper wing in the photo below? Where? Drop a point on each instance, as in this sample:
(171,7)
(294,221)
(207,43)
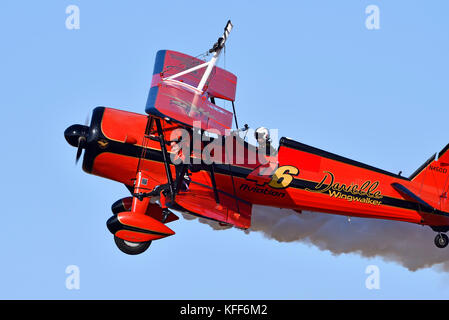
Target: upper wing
(222,83)
(179,101)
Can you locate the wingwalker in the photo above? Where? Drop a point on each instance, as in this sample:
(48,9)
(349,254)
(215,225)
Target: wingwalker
(157,157)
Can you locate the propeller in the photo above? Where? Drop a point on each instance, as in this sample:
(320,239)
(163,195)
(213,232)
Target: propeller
(76,135)
(82,140)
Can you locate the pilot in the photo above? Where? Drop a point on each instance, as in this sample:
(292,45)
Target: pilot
(262,136)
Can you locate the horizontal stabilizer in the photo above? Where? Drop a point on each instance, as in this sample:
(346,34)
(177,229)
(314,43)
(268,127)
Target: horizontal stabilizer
(406,193)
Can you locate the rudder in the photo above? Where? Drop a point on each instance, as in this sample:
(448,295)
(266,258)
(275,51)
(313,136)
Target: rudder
(434,172)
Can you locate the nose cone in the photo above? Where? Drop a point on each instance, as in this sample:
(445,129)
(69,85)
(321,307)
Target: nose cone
(73,133)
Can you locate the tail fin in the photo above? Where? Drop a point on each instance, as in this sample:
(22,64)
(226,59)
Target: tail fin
(434,172)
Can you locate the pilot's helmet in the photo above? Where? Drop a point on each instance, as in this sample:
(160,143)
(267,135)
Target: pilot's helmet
(262,134)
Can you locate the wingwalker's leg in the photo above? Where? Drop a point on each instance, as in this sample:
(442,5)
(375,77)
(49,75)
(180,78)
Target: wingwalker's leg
(165,211)
(163,191)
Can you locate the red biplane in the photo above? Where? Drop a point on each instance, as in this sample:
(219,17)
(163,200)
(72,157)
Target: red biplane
(220,177)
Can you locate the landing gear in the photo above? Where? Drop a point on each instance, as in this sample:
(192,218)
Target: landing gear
(131,248)
(441,240)
(131,217)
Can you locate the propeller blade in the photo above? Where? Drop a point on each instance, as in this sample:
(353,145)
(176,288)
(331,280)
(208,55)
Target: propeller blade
(81,142)
(87,122)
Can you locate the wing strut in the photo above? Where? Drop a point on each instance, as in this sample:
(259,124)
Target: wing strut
(160,138)
(214,184)
(165,157)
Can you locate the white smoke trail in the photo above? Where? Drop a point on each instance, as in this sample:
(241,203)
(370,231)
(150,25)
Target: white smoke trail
(407,244)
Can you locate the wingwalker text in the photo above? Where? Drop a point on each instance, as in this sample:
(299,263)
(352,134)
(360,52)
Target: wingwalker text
(365,193)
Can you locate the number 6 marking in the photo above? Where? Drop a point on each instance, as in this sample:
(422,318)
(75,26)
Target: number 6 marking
(283,176)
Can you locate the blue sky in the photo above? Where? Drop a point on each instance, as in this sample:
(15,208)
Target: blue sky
(310,68)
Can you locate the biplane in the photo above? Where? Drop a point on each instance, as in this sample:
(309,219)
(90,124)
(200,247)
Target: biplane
(220,176)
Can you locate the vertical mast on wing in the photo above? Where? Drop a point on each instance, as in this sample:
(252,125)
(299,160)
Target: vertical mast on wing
(216,49)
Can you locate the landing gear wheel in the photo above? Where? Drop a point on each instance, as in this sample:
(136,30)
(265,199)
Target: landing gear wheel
(129,247)
(441,240)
